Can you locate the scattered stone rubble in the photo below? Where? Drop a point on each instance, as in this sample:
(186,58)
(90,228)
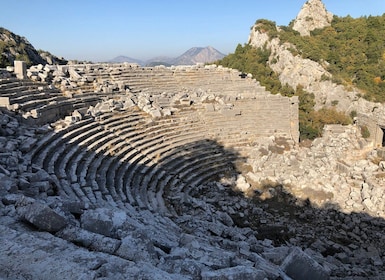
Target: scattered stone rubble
(274,234)
(310,173)
(291,213)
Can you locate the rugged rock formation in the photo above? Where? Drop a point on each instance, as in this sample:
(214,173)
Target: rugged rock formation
(294,70)
(313,15)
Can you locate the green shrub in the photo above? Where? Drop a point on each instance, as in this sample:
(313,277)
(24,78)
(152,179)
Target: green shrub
(335,102)
(353,114)
(365,133)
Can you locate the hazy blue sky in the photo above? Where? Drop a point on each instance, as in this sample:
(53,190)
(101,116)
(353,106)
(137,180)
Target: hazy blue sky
(100,30)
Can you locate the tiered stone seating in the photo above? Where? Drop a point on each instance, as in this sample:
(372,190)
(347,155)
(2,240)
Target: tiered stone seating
(39,103)
(155,80)
(26,93)
(129,157)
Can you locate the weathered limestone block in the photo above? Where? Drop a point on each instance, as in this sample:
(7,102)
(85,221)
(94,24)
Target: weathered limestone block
(236,273)
(41,216)
(137,247)
(4,101)
(40,176)
(155,113)
(27,144)
(20,69)
(368,203)
(242,185)
(7,184)
(300,266)
(75,76)
(103,221)
(90,240)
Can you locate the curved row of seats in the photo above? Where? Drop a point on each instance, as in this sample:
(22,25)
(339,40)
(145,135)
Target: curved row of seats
(130,158)
(223,81)
(40,103)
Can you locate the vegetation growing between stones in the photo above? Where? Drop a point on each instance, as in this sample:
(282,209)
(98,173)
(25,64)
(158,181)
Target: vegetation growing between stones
(365,131)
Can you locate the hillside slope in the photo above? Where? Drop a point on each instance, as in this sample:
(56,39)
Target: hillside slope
(329,64)
(14,47)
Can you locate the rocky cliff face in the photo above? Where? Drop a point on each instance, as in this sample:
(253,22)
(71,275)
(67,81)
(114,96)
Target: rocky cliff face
(313,15)
(294,70)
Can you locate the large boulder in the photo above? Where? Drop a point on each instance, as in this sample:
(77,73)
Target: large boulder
(300,266)
(41,216)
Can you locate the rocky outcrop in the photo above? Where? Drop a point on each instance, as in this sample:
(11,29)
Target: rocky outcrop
(313,15)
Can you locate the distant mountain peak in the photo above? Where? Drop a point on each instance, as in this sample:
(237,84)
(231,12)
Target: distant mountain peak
(313,15)
(122,59)
(198,55)
(190,57)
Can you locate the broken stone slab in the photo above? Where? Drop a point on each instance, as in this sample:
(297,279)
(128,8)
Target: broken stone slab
(166,112)
(75,76)
(39,176)
(300,266)
(4,171)
(40,215)
(276,255)
(27,144)
(137,247)
(7,184)
(155,113)
(11,199)
(237,272)
(74,207)
(89,240)
(225,218)
(103,221)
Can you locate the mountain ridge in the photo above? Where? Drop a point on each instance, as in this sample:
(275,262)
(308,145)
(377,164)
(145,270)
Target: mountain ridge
(192,56)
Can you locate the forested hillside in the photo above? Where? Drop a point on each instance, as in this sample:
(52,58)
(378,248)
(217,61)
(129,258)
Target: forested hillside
(352,50)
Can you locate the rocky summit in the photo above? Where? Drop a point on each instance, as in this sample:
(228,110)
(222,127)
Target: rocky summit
(313,15)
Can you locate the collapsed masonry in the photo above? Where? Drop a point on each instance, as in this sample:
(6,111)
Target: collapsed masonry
(117,171)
